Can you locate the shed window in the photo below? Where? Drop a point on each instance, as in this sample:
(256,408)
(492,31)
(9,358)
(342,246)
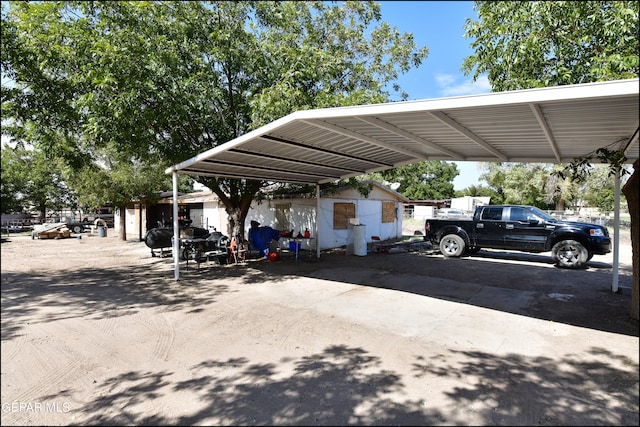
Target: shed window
(341,214)
(388,212)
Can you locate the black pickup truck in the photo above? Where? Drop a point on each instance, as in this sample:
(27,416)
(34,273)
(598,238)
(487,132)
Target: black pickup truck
(520,228)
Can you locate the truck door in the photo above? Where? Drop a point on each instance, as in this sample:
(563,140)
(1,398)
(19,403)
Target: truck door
(489,228)
(524,230)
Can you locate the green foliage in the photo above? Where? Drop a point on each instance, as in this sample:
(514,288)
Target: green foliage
(172,79)
(429,180)
(31,180)
(527,184)
(598,187)
(116,180)
(543,185)
(521,45)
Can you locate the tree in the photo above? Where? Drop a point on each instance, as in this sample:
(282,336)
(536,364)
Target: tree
(522,45)
(530,184)
(31,180)
(178,78)
(117,180)
(598,188)
(12,183)
(428,180)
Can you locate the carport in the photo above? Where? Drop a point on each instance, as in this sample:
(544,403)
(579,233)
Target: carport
(547,125)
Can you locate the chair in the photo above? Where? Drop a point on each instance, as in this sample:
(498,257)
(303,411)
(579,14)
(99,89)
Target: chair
(237,251)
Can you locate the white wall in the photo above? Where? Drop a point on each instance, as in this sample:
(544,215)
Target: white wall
(423,212)
(469,203)
(303,216)
(368,212)
(214,216)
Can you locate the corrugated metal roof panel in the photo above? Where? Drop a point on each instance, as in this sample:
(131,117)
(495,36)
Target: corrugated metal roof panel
(538,125)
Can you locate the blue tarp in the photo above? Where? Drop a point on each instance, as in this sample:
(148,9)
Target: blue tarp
(259,237)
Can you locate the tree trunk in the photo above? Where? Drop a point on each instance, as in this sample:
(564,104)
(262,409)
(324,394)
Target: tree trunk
(631,191)
(237,218)
(123,223)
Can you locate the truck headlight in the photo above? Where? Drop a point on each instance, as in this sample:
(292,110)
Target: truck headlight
(596,232)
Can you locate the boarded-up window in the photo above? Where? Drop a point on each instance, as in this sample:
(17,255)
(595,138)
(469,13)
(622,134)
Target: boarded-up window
(283,216)
(388,212)
(341,214)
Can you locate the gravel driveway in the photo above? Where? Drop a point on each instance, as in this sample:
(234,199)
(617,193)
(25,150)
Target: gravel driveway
(96,331)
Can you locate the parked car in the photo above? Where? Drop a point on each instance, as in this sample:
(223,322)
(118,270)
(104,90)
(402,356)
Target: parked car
(521,228)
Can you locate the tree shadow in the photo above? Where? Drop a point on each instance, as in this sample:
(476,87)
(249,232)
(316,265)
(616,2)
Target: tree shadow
(346,385)
(520,390)
(100,293)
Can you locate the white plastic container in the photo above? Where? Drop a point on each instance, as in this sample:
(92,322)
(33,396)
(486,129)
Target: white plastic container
(359,240)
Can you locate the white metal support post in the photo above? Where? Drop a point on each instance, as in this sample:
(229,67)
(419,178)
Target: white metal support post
(317,231)
(176,229)
(616,234)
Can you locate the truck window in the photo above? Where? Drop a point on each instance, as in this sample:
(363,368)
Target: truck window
(519,214)
(492,214)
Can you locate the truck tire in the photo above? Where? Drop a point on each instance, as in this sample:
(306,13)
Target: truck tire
(569,254)
(452,245)
(77,229)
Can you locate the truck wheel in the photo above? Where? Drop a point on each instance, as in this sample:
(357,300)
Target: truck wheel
(452,245)
(569,254)
(77,229)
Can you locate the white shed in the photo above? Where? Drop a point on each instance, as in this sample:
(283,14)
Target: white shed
(380,211)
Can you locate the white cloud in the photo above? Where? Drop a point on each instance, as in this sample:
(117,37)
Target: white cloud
(450,86)
(445,80)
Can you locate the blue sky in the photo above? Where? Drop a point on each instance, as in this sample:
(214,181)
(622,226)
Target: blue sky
(438,26)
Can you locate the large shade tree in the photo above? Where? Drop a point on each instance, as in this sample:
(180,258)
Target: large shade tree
(522,45)
(31,181)
(530,184)
(428,180)
(173,79)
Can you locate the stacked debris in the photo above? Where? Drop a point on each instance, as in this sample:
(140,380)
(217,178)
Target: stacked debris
(51,231)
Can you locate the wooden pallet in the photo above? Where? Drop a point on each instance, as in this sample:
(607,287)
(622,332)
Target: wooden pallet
(52,231)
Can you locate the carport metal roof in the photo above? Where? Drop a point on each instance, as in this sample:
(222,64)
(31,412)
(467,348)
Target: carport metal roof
(548,125)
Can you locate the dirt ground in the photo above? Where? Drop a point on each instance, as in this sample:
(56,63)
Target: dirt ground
(97,331)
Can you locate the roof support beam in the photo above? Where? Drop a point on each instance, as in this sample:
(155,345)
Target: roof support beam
(401,132)
(259,175)
(547,131)
(287,160)
(263,169)
(322,150)
(351,134)
(466,132)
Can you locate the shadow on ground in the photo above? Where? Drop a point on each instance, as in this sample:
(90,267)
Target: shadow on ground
(346,386)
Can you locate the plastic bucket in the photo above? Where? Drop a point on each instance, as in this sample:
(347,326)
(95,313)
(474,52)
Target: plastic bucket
(293,246)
